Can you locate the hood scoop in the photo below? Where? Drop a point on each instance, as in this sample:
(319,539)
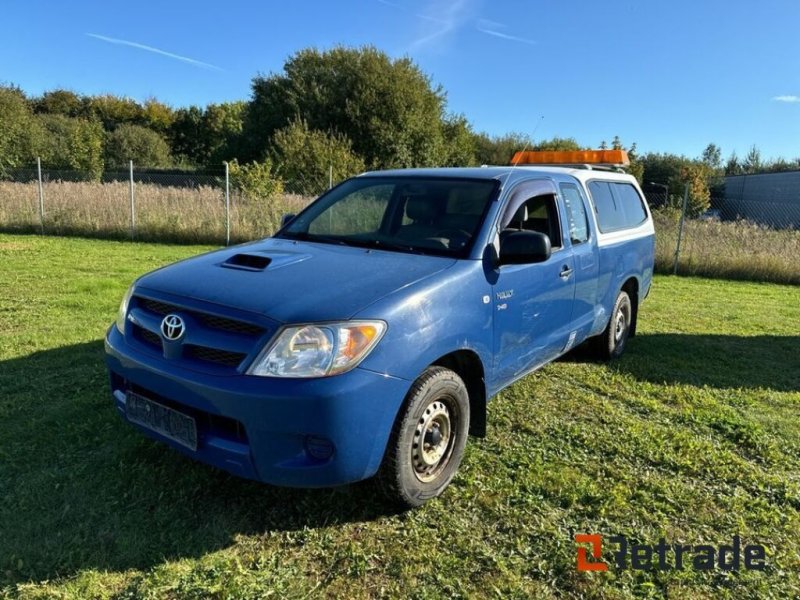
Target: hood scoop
(247,262)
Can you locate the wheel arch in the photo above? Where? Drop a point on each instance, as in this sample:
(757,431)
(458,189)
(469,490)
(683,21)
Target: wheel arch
(631,286)
(468,365)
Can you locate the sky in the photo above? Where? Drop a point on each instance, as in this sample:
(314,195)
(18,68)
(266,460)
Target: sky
(670,76)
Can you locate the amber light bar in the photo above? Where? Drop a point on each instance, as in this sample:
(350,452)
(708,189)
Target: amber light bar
(572,157)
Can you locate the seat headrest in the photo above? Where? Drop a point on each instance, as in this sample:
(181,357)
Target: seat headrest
(521,215)
(422,209)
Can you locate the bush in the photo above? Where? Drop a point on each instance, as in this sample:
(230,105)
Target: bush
(16,122)
(69,144)
(255,180)
(141,145)
(304,158)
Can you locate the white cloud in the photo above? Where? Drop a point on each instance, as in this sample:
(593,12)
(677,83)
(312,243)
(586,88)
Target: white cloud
(191,61)
(788,98)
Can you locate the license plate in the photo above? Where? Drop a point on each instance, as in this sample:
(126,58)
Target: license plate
(168,422)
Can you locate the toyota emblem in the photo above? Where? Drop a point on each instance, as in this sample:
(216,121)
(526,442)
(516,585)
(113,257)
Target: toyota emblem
(172,328)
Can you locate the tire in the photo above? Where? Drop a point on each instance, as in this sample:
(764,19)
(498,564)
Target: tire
(434,418)
(612,342)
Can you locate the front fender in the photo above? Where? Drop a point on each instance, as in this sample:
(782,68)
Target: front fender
(432,318)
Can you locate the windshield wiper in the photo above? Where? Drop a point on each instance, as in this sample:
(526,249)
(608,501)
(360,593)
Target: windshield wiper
(313,237)
(381,245)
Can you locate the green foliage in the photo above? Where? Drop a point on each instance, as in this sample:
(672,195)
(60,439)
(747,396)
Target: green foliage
(677,171)
(500,149)
(208,136)
(557,143)
(60,102)
(141,145)
(304,157)
(16,134)
(70,144)
(113,111)
(712,157)
(460,143)
(386,107)
(222,124)
(255,180)
(157,116)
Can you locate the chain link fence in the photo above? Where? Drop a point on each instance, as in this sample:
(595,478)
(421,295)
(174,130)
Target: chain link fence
(751,231)
(752,236)
(146,205)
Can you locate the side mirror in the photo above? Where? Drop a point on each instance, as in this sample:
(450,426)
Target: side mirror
(524,247)
(286,218)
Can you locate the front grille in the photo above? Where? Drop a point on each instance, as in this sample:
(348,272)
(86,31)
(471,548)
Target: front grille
(209,320)
(217,351)
(212,355)
(147,336)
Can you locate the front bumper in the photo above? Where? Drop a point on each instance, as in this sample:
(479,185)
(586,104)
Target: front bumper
(279,431)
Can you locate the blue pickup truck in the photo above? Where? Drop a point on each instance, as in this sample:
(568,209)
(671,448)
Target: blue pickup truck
(367,335)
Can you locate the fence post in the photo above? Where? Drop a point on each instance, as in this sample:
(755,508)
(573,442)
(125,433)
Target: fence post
(41,192)
(330,176)
(227,206)
(680,228)
(133,204)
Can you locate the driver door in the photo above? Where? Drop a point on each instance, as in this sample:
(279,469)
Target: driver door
(533,302)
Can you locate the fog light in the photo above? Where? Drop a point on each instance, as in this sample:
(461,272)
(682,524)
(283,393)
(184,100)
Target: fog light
(319,448)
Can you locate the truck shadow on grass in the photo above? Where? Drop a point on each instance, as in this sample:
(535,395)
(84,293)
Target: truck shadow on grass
(80,489)
(719,361)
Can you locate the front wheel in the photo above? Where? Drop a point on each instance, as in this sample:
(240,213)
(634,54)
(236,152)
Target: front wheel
(428,438)
(611,343)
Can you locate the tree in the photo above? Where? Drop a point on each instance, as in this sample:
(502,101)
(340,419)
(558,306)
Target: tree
(222,126)
(113,111)
(386,107)
(752,161)
(71,144)
(157,116)
(16,129)
(460,144)
(712,156)
(499,150)
(558,143)
(306,159)
(141,145)
(59,102)
(676,171)
(733,166)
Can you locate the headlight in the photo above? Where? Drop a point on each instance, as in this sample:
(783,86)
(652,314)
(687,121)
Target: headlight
(123,310)
(318,350)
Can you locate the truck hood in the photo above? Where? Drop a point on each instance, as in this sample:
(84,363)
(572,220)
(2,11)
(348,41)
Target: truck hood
(294,281)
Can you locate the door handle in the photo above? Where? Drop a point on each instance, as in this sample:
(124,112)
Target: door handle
(565,272)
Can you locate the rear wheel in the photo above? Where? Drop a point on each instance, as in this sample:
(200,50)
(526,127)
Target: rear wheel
(428,438)
(611,343)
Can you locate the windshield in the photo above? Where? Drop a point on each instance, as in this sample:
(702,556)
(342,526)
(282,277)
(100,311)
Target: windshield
(425,215)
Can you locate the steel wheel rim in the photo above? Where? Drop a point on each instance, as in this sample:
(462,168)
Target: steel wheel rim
(433,441)
(621,323)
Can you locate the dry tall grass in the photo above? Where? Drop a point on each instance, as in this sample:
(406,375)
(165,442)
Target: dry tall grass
(728,250)
(737,250)
(163,213)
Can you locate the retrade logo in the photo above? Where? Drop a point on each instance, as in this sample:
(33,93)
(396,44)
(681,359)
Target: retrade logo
(172,328)
(664,556)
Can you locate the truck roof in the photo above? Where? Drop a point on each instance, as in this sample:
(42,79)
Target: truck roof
(582,173)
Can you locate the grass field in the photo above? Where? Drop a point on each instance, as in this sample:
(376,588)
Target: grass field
(693,435)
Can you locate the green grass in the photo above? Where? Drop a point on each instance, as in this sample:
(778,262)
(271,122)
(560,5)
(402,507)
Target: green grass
(693,435)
